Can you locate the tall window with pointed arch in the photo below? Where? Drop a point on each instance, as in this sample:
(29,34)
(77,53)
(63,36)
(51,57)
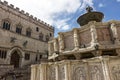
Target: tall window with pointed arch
(28,32)
(6,25)
(19,29)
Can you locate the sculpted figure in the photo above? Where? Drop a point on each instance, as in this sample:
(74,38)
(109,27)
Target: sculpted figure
(61,42)
(55,45)
(116,72)
(113,28)
(76,42)
(96,74)
(93,34)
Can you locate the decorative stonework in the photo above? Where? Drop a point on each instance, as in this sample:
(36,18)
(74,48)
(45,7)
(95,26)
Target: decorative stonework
(94,36)
(61,42)
(96,72)
(79,72)
(116,72)
(76,39)
(51,72)
(85,38)
(56,45)
(61,71)
(115,34)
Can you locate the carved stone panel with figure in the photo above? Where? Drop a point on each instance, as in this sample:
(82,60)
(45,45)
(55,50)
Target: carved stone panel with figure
(116,72)
(96,72)
(78,72)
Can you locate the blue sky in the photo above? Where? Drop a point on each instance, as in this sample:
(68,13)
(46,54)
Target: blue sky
(62,14)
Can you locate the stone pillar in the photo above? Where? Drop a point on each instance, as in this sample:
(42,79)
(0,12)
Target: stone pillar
(93,31)
(104,62)
(115,34)
(76,39)
(33,72)
(61,42)
(57,75)
(43,72)
(67,68)
(37,72)
(55,45)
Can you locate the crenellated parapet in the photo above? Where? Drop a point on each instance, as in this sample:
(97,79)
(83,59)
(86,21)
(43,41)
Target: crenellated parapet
(15,10)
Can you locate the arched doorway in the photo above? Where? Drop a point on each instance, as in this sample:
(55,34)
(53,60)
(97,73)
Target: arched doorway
(15,59)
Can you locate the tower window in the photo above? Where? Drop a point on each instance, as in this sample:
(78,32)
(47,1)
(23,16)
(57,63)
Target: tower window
(18,30)
(37,29)
(50,34)
(27,56)
(28,32)
(6,25)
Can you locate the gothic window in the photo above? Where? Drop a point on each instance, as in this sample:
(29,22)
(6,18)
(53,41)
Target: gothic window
(27,56)
(28,32)
(50,34)
(41,36)
(18,29)
(6,25)
(3,54)
(37,29)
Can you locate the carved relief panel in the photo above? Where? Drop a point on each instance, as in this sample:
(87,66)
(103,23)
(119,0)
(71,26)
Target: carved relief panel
(51,72)
(78,72)
(85,38)
(116,72)
(69,42)
(96,72)
(103,34)
(61,72)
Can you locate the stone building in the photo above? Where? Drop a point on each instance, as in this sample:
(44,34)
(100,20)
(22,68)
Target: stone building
(23,38)
(91,52)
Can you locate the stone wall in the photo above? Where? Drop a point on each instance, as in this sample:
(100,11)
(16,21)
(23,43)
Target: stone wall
(10,40)
(98,68)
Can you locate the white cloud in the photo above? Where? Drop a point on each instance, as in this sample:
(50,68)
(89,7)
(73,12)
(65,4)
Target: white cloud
(52,11)
(101,5)
(118,0)
(66,27)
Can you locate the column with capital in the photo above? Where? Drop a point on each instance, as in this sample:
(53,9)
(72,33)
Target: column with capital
(76,39)
(61,42)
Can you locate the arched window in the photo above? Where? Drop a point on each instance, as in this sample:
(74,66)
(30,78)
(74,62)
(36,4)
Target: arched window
(28,32)
(41,36)
(6,25)
(37,29)
(50,34)
(19,28)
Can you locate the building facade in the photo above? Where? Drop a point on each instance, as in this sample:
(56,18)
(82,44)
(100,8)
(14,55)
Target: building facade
(23,38)
(91,52)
